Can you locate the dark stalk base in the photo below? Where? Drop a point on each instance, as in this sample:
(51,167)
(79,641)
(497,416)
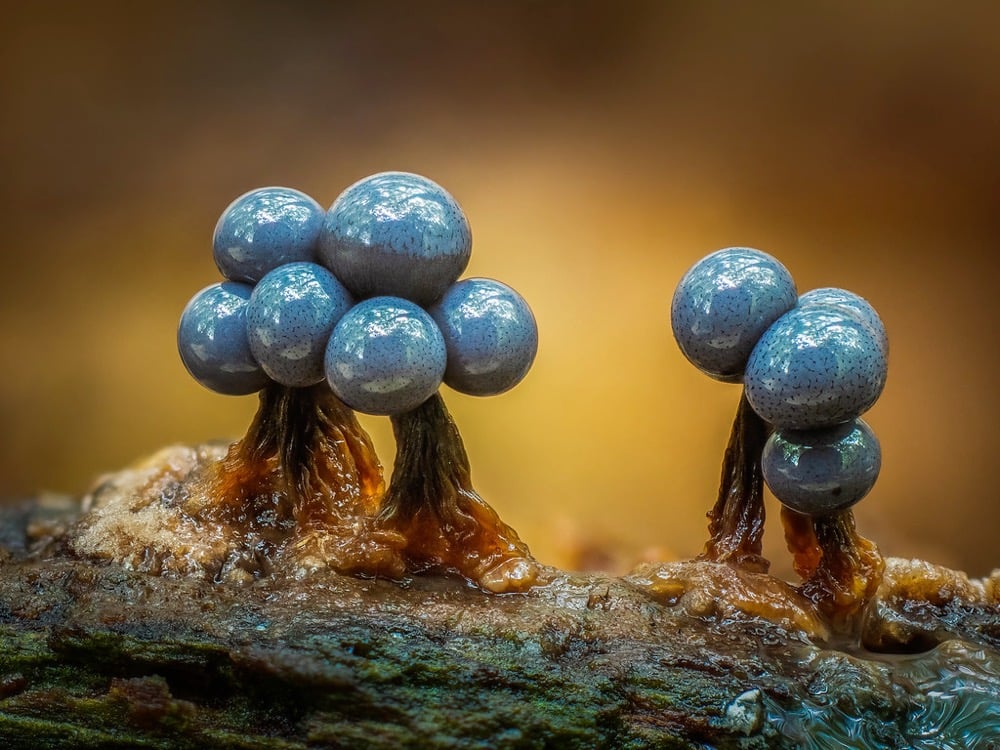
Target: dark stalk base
(431,502)
(305,478)
(736,522)
(304,454)
(841,570)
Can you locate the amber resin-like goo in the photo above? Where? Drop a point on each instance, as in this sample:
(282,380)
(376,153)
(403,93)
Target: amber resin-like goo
(304,480)
(303,490)
(841,570)
(303,487)
(431,503)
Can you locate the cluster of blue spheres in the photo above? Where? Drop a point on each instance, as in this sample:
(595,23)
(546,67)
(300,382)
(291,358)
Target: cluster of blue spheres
(364,295)
(810,365)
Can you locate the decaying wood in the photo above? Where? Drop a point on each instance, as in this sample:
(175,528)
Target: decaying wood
(101,654)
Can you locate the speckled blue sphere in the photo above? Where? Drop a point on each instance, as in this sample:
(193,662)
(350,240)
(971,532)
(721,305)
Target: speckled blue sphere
(848,301)
(386,356)
(212,340)
(290,317)
(816,366)
(724,303)
(489,333)
(264,229)
(817,472)
(398,234)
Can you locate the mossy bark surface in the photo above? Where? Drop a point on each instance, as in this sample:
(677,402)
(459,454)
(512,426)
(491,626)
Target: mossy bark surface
(93,655)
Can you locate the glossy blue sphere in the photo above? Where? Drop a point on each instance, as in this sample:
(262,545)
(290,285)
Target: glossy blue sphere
(398,234)
(212,340)
(264,229)
(489,333)
(816,366)
(817,472)
(386,356)
(290,317)
(855,303)
(723,305)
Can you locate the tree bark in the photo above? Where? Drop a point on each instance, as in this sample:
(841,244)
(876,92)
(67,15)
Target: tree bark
(683,655)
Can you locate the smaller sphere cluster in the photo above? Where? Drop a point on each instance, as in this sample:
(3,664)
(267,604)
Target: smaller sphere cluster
(810,365)
(364,296)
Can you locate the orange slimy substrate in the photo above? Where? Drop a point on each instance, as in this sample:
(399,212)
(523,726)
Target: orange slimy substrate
(304,489)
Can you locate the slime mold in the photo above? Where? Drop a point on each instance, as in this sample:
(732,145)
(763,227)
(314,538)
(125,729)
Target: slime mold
(810,366)
(307,321)
(402,235)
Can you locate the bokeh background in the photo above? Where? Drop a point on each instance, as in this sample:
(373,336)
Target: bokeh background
(599,149)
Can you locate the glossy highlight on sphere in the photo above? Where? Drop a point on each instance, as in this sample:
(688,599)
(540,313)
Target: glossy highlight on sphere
(290,317)
(817,366)
(723,305)
(848,301)
(386,356)
(489,333)
(397,234)
(264,229)
(212,340)
(822,471)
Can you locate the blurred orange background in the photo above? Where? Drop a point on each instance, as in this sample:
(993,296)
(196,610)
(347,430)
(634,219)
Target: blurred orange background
(599,150)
